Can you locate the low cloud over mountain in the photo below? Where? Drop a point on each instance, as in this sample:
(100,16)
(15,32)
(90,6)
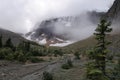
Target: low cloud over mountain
(22,15)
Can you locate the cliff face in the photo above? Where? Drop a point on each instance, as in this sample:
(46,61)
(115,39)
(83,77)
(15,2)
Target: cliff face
(114,11)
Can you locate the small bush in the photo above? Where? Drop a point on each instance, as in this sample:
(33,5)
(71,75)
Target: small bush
(36,60)
(21,57)
(10,57)
(47,76)
(67,65)
(58,52)
(110,57)
(69,62)
(77,55)
(6,53)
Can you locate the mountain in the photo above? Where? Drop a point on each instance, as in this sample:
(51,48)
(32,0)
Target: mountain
(114,12)
(16,38)
(59,31)
(45,34)
(113,15)
(90,42)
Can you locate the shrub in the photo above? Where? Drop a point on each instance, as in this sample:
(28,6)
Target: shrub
(6,53)
(110,57)
(69,62)
(77,55)
(58,52)
(67,65)
(35,60)
(93,73)
(21,57)
(47,76)
(10,57)
(37,52)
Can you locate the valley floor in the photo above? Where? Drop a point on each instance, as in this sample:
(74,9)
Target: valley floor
(17,71)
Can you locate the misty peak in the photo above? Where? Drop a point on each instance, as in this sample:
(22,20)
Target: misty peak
(64,29)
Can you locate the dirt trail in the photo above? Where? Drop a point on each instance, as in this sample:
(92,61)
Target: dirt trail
(26,72)
(37,75)
(14,71)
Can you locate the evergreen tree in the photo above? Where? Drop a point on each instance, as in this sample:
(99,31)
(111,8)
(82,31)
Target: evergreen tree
(20,46)
(27,46)
(24,46)
(96,68)
(101,47)
(116,71)
(1,41)
(9,43)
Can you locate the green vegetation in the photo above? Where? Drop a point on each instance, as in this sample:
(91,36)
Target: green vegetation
(97,67)
(0,41)
(25,51)
(47,76)
(9,43)
(77,55)
(6,53)
(67,65)
(58,52)
(35,59)
(101,47)
(114,71)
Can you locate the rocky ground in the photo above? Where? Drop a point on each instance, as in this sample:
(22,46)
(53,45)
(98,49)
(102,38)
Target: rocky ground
(16,71)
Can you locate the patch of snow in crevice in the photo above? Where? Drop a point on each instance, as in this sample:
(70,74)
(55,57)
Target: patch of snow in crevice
(62,44)
(52,41)
(44,41)
(42,34)
(59,39)
(28,37)
(33,33)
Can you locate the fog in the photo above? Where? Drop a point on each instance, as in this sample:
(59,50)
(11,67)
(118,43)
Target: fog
(75,28)
(21,15)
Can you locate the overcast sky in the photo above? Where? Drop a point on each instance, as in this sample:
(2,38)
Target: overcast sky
(22,15)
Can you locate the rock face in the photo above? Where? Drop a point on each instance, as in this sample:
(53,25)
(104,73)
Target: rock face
(114,11)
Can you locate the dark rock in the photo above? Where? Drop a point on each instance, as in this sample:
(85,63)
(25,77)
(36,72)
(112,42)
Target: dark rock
(114,12)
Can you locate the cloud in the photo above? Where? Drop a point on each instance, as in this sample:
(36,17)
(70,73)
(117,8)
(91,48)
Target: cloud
(22,15)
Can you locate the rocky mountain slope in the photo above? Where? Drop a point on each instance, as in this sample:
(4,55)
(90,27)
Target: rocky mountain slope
(114,11)
(59,31)
(16,38)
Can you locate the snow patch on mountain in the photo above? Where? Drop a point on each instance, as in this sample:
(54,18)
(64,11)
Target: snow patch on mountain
(62,44)
(43,42)
(59,39)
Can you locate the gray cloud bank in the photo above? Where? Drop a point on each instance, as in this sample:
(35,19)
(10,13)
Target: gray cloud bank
(22,15)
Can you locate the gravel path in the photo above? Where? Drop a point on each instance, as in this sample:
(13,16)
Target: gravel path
(13,71)
(17,71)
(37,75)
